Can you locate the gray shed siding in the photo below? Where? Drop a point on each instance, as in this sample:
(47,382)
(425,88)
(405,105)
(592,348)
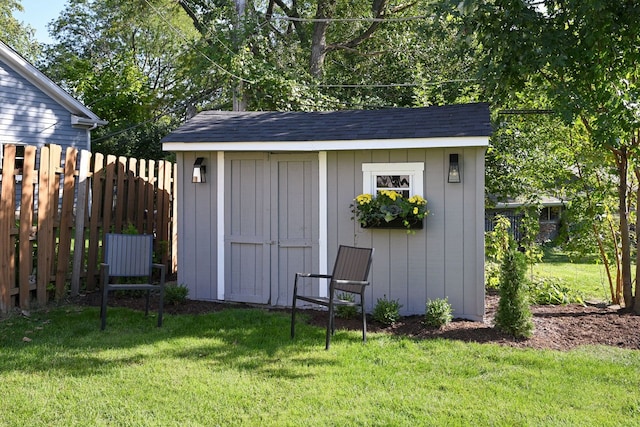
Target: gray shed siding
(445,259)
(197,216)
(29,116)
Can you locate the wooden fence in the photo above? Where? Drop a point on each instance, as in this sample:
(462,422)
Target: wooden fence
(53,217)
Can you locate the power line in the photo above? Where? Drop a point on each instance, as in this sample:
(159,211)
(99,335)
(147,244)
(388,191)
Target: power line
(387,85)
(362,19)
(227,48)
(204,55)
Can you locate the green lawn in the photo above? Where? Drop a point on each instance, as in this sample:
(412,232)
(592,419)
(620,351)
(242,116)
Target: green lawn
(239,367)
(588,277)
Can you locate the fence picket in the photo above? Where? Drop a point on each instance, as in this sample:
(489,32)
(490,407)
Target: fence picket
(151,191)
(66,222)
(6,225)
(27,229)
(80,217)
(94,220)
(55,200)
(120,193)
(141,195)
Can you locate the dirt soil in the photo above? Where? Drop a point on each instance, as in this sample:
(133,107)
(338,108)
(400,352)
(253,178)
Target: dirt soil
(556,327)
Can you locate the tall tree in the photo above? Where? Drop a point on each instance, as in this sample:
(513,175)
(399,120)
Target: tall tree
(16,34)
(582,55)
(381,54)
(123,60)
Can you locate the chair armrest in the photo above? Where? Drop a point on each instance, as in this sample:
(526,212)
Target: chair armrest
(314,275)
(162,269)
(351,282)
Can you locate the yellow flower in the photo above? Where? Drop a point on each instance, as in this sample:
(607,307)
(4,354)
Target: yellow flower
(393,195)
(418,200)
(363,199)
(415,211)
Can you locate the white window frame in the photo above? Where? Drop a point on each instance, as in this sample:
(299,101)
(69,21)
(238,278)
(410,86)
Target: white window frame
(415,171)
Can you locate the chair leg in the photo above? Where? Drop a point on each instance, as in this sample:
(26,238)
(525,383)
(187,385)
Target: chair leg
(293,307)
(103,306)
(364,320)
(146,307)
(329,326)
(161,307)
(293,318)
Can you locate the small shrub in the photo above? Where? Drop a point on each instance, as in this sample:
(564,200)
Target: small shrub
(439,313)
(514,316)
(386,311)
(130,229)
(175,294)
(552,291)
(492,274)
(347,311)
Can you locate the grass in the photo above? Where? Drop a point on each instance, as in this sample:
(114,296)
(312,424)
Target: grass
(588,276)
(239,367)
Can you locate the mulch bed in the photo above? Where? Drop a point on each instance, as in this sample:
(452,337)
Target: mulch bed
(560,327)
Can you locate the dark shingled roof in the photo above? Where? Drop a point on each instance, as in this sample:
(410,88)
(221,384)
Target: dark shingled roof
(393,123)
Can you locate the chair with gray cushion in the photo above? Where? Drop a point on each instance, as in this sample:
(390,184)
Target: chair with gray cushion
(350,275)
(129,257)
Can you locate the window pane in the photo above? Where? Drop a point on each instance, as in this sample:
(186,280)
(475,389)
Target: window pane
(392,181)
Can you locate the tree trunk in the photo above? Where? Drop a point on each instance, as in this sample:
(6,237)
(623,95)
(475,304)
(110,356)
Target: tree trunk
(622,162)
(239,97)
(636,302)
(319,37)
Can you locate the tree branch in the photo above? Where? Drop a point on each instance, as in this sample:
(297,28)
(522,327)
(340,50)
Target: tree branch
(378,8)
(292,12)
(194,18)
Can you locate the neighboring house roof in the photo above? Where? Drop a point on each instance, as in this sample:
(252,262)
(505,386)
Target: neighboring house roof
(518,202)
(81,116)
(450,125)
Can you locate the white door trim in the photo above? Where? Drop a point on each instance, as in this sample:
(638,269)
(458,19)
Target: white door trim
(220,223)
(323,195)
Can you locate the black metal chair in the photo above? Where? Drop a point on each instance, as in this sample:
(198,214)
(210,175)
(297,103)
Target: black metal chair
(129,256)
(350,274)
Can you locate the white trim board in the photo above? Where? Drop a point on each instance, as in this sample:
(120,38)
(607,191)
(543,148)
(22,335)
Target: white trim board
(372,144)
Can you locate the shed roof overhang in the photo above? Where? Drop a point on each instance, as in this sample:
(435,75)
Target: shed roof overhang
(339,145)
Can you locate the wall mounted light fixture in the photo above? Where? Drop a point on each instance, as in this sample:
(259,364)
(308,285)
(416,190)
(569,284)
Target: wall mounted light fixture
(454,168)
(199,171)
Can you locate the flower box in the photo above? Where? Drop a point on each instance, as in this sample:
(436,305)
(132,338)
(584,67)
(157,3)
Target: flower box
(388,209)
(397,223)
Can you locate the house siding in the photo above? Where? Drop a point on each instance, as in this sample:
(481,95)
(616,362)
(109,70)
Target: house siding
(29,116)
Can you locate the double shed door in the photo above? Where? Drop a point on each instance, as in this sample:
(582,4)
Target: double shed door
(271,224)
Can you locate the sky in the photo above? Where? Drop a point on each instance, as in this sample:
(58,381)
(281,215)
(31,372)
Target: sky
(38,13)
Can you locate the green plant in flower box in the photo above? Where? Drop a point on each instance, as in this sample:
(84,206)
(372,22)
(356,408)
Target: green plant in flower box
(388,206)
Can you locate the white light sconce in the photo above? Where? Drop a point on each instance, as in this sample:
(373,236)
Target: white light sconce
(199,171)
(454,168)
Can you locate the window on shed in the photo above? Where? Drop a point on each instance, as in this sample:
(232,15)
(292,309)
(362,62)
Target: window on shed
(405,178)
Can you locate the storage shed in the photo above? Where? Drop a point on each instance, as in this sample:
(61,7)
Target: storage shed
(263,195)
